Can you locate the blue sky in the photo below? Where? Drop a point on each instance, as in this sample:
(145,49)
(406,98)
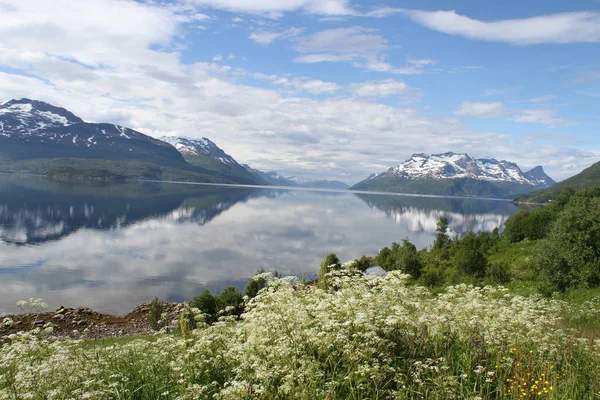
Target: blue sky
(330,89)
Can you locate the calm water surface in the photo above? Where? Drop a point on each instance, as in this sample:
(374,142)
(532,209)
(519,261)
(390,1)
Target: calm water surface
(111,247)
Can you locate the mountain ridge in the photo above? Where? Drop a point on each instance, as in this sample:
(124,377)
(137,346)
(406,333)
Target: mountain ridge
(37,137)
(457,174)
(588,178)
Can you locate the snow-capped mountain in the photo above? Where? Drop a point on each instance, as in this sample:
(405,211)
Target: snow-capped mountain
(469,176)
(456,165)
(41,138)
(194,147)
(32,129)
(204,153)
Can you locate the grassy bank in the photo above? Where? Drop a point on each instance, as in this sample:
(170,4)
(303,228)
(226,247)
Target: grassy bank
(363,338)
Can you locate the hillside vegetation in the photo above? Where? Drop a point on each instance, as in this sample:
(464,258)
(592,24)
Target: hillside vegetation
(588,178)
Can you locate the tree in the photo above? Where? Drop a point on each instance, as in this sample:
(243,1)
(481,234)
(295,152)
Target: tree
(385,259)
(441,238)
(570,255)
(255,284)
(407,260)
(231,297)
(468,256)
(364,263)
(207,304)
(331,262)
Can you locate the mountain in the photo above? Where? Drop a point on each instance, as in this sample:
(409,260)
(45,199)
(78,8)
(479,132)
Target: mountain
(206,154)
(270,177)
(457,174)
(37,137)
(326,185)
(588,178)
(274,178)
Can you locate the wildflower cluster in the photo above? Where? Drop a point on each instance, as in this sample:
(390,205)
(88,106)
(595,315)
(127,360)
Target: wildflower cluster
(362,337)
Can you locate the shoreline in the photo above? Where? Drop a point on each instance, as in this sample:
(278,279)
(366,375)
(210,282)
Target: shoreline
(83,322)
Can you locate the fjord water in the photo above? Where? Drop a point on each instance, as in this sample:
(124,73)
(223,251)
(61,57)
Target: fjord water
(113,246)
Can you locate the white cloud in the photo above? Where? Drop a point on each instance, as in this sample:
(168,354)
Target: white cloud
(276,8)
(93,33)
(218,57)
(237,20)
(383,88)
(349,44)
(113,61)
(266,37)
(362,47)
(572,27)
(481,110)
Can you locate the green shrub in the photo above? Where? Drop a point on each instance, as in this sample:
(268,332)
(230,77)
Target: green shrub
(330,262)
(499,273)
(155,311)
(468,256)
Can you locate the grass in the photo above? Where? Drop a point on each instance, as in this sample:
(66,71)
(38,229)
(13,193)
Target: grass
(364,338)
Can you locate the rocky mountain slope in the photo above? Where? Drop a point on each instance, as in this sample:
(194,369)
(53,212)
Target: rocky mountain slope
(588,178)
(204,153)
(457,174)
(37,137)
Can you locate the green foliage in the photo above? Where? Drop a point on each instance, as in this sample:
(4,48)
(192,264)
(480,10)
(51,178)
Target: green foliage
(468,256)
(441,238)
(363,263)
(229,302)
(498,273)
(588,178)
(255,285)
(207,304)
(570,255)
(231,298)
(155,311)
(403,257)
(529,224)
(330,262)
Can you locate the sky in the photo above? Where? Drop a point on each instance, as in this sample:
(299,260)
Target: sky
(322,89)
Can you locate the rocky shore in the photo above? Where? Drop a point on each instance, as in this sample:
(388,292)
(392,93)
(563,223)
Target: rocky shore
(85,322)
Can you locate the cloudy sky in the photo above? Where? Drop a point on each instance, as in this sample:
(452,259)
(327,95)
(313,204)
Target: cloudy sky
(322,88)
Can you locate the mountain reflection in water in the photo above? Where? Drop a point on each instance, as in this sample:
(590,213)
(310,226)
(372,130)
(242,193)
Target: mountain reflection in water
(111,247)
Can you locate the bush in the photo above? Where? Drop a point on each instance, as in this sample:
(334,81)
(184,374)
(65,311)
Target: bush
(255,284)
(570,255)
(468,256)
(155,311)
(499,273)
(330,263)
(207,304)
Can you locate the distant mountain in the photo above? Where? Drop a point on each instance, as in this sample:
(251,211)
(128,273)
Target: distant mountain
(274,178)
(205,153)
(37,137)
(588,178)
(270,177)
(457,174)
(326,185)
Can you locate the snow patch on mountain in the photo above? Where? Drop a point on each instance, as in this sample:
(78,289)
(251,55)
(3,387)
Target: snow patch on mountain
(460,165)
(193,147)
